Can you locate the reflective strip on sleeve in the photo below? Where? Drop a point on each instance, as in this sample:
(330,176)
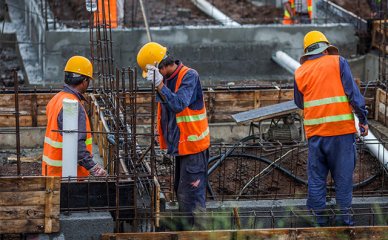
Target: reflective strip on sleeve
(88,141)
(310,8)
(50,162)
(193,138)
(328,119)
(325,101)
(192,118)
(53,143)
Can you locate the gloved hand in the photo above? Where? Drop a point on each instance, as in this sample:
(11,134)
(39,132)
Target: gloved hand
(98,171)
(150,74)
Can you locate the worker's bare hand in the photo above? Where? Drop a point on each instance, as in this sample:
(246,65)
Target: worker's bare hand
(97,171)
(363,129)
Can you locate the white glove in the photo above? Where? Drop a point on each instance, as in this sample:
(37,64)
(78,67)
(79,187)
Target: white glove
(97,170)
(150,75)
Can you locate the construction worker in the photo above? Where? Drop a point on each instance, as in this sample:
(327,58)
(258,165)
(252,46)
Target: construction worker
(182,125)
(297,11)
(325,89)
(78,73)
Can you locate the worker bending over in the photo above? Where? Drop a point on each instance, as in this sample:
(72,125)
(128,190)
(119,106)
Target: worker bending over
(325,89)
(182,125)
(297,11)
(78,73)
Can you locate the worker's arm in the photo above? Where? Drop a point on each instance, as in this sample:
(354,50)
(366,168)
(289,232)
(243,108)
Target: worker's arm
(178,101)
(298,97)
(85,158)
(353,92)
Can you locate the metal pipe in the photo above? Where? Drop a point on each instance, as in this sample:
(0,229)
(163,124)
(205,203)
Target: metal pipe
(17,114)
(70,139)
(213,12)
(145,20)
(371,142)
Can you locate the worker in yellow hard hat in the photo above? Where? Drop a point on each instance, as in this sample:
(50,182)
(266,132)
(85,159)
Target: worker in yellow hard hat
(78,73)
(326,91)
(182,125)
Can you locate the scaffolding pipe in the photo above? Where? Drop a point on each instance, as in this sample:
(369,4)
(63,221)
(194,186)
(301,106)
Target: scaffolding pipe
(373,144)
(213,12)
(70,139)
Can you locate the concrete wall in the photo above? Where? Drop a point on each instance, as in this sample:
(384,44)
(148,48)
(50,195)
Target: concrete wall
(219,54)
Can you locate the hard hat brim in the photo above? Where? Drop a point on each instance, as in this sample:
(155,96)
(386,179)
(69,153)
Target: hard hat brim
(330,48)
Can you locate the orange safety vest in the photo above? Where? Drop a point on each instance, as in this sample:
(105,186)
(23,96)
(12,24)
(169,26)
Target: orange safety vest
(108,6)
(192,124)
(327,111)
(52,148)
(287,16)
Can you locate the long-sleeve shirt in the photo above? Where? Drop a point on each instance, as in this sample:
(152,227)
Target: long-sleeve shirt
(85,158)
(354,95)
(189,95)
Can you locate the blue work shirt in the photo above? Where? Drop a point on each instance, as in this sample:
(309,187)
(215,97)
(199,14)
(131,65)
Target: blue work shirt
(189,95)
(354,95)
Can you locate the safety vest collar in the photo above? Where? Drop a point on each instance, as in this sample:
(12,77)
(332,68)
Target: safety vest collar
(328,119)
(324,101)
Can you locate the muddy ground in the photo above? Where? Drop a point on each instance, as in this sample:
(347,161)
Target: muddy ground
(183,12)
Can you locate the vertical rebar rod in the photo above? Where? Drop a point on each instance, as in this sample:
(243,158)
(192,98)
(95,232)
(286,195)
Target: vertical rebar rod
(16,88)
(117,154)
(152,152)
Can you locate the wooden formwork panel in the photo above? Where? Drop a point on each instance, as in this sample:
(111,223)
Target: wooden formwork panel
(380,35)
(29,204)
(293,233)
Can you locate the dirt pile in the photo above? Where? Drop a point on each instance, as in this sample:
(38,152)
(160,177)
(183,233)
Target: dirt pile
(359,7)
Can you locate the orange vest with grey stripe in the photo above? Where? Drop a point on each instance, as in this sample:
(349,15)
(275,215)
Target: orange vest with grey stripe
(192,124)
(52,148)
(287,16)
(327,111)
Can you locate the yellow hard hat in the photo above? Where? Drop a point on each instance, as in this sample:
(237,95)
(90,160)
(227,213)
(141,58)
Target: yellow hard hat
(80,65)
(151,53)
(316,42)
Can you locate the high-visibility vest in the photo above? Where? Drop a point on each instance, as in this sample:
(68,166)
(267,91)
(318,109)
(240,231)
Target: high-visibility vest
(287,16)
(327,111)
(52,148)
(192,124)
(108,7)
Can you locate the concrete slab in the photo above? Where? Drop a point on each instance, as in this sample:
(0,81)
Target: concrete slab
(84,225)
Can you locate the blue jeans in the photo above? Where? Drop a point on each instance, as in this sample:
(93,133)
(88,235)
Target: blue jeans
(336,154)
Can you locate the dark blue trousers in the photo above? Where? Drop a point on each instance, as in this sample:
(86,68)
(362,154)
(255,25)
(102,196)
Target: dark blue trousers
(190,186)
(336,154)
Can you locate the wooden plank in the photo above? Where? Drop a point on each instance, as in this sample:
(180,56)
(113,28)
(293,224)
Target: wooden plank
(26,212)
(26,198)
(25,184)
(29,159)
(22,226)
(362,232)
(48,205)
(377,101)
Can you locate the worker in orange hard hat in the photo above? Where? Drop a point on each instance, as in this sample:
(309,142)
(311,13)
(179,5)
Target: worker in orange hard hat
(78,73)
(326,91)
(182,126)
(297,11)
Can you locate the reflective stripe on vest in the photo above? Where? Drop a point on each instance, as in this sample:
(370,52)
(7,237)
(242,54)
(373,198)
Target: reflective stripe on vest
(193,138)
(328,119)
(53,143)
(56,144)
(325,101)
(51,162)
(192,118)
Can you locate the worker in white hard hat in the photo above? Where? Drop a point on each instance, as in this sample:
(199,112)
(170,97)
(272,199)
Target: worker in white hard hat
(182,125)
(326,91)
